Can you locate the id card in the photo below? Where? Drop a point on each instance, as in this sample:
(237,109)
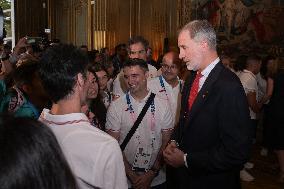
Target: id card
(142,159)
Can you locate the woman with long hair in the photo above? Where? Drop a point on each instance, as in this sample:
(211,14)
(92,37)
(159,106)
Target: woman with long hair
(94,107)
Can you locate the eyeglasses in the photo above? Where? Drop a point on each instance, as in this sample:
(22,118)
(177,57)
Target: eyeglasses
(137,52)
(166,67)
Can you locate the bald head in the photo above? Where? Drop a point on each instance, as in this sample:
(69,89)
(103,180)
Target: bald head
(172,57)
(170,66)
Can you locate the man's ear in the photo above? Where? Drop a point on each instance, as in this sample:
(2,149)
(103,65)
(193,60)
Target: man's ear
(147,74)
(148,52)
(80,80)
(204,44)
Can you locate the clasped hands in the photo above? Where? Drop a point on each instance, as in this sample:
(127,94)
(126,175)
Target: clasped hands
(142,181)
(173,156)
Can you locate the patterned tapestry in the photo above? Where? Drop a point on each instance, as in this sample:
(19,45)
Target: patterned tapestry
(245,26)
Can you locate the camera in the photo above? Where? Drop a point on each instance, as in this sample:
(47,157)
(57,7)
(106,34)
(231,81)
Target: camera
(33,40)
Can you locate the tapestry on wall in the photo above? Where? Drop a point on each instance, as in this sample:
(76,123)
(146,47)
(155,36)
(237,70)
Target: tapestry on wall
(245,26)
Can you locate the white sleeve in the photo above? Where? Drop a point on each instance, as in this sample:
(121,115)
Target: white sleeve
(167,121)
(114,173)
(251,85)
(113,118)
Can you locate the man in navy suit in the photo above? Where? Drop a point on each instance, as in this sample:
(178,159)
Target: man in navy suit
(213,137)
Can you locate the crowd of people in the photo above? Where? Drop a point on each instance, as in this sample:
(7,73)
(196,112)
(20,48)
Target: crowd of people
(79,118)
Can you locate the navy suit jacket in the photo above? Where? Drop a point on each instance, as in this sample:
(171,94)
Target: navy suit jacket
(215,132)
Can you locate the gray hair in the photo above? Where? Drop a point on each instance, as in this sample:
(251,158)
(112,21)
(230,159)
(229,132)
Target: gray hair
(201,30)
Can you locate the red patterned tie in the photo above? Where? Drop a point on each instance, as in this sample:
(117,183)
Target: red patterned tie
(194,89)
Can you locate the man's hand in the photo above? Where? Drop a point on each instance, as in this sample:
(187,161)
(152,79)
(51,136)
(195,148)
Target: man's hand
(173,156)
(133,177)
(144,181)
(21,43)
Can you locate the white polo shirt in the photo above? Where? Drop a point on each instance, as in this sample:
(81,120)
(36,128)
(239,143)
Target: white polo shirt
(94,157)
(170,94)
(248,80)
(143,148)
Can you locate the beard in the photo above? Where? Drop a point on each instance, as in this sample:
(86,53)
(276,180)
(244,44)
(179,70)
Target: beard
(195,62)
(192,66)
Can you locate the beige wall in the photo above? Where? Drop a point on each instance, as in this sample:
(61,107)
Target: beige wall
(110,22)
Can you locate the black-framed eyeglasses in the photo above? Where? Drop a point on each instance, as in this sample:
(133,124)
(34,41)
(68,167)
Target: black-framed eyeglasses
(166,67)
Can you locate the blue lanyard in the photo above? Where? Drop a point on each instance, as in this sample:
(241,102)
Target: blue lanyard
(164,88)
(131,110)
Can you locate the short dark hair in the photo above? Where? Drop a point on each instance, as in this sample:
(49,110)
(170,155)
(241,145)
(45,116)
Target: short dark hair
(253,57)
(103,50)
(96,68)
(264,63)
(136,62)
(58,70)
(240,63)
(138,39)
(119,47)
(91,67)
(30,156)
(25,73)
(84,46)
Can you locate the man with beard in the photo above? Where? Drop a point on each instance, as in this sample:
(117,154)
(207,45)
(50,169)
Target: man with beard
(143,153)
(138,47)
(212,140)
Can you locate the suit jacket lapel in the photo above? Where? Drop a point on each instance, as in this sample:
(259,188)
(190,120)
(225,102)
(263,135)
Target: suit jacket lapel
(184,105)
(204,93)
(186,92)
